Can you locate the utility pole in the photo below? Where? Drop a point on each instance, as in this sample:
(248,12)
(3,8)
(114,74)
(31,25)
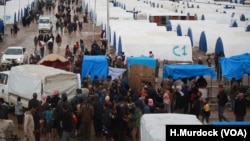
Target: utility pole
(108,28)
(94,21)
(19,14)
(4,13)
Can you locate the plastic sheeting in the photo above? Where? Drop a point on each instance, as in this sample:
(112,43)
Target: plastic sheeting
(146,61)
(24,80)
(235,66)
(152,126)
(187,70)
(94,66)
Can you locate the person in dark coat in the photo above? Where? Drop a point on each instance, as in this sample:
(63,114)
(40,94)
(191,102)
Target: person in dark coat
(67,123)
(98,111)
(50,45)
(222,100)
(240,108)
(37,126)
(33,102)
(4,109)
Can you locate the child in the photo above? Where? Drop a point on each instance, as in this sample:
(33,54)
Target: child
(206,110)
(19,112)
(47,114)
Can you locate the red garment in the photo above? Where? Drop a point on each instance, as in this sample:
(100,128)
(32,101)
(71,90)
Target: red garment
(77,45)
(75,120)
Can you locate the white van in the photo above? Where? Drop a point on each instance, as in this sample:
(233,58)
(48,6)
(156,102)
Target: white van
(45,24)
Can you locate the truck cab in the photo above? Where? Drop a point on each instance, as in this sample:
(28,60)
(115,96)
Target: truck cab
(4,85)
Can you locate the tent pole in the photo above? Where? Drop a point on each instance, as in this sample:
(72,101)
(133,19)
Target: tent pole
(210,96)
(248,79)
(108,28)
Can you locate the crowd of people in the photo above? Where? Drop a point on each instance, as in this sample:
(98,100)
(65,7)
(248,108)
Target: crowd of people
(114,109)
(109,104)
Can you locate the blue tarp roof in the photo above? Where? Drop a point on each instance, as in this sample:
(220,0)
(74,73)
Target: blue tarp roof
(178,71)
(1,26)
(94,65)
(146,61)
(235,66)
(231,123)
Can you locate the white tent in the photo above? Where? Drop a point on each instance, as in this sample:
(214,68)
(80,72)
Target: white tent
(213,34)
(153,126)
(173,48)
(234,45)
(8,11)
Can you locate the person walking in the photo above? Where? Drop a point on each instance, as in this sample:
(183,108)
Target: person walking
(47,114)
(67,123)
(87,114)
(4,109)
(36,42)
(240,109)
(29,125)
(98,111)
(19,113)
(50,45)
(136,120)
(58,40)
(41,46)
(222,100)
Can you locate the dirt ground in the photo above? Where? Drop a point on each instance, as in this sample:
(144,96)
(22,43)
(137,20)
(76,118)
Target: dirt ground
(25,38)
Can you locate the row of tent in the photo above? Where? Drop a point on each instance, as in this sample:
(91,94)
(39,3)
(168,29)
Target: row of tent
(211,37)
(137,37)
(14,10)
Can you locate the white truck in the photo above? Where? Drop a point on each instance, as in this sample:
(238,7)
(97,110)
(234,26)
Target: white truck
(45,24)
(24,80)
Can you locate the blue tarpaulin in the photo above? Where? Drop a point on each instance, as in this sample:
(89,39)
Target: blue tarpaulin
(235,66)
(248,28)
(146,61)
(178,30)
(190,35)
(94,66)
(178,71)
(119,46)
(231,123)
(1,26)
(15,18)
(219,46)
(114,41)
(203,42)
(169,26)
(202,17)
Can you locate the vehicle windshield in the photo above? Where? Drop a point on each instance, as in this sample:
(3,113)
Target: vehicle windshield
(46,21)
(13,51)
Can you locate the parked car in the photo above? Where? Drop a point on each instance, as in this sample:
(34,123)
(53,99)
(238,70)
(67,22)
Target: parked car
(14,54)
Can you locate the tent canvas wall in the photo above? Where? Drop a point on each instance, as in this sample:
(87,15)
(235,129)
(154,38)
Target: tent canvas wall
(232,45)
(152,126)
(94,66)
(172,48)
